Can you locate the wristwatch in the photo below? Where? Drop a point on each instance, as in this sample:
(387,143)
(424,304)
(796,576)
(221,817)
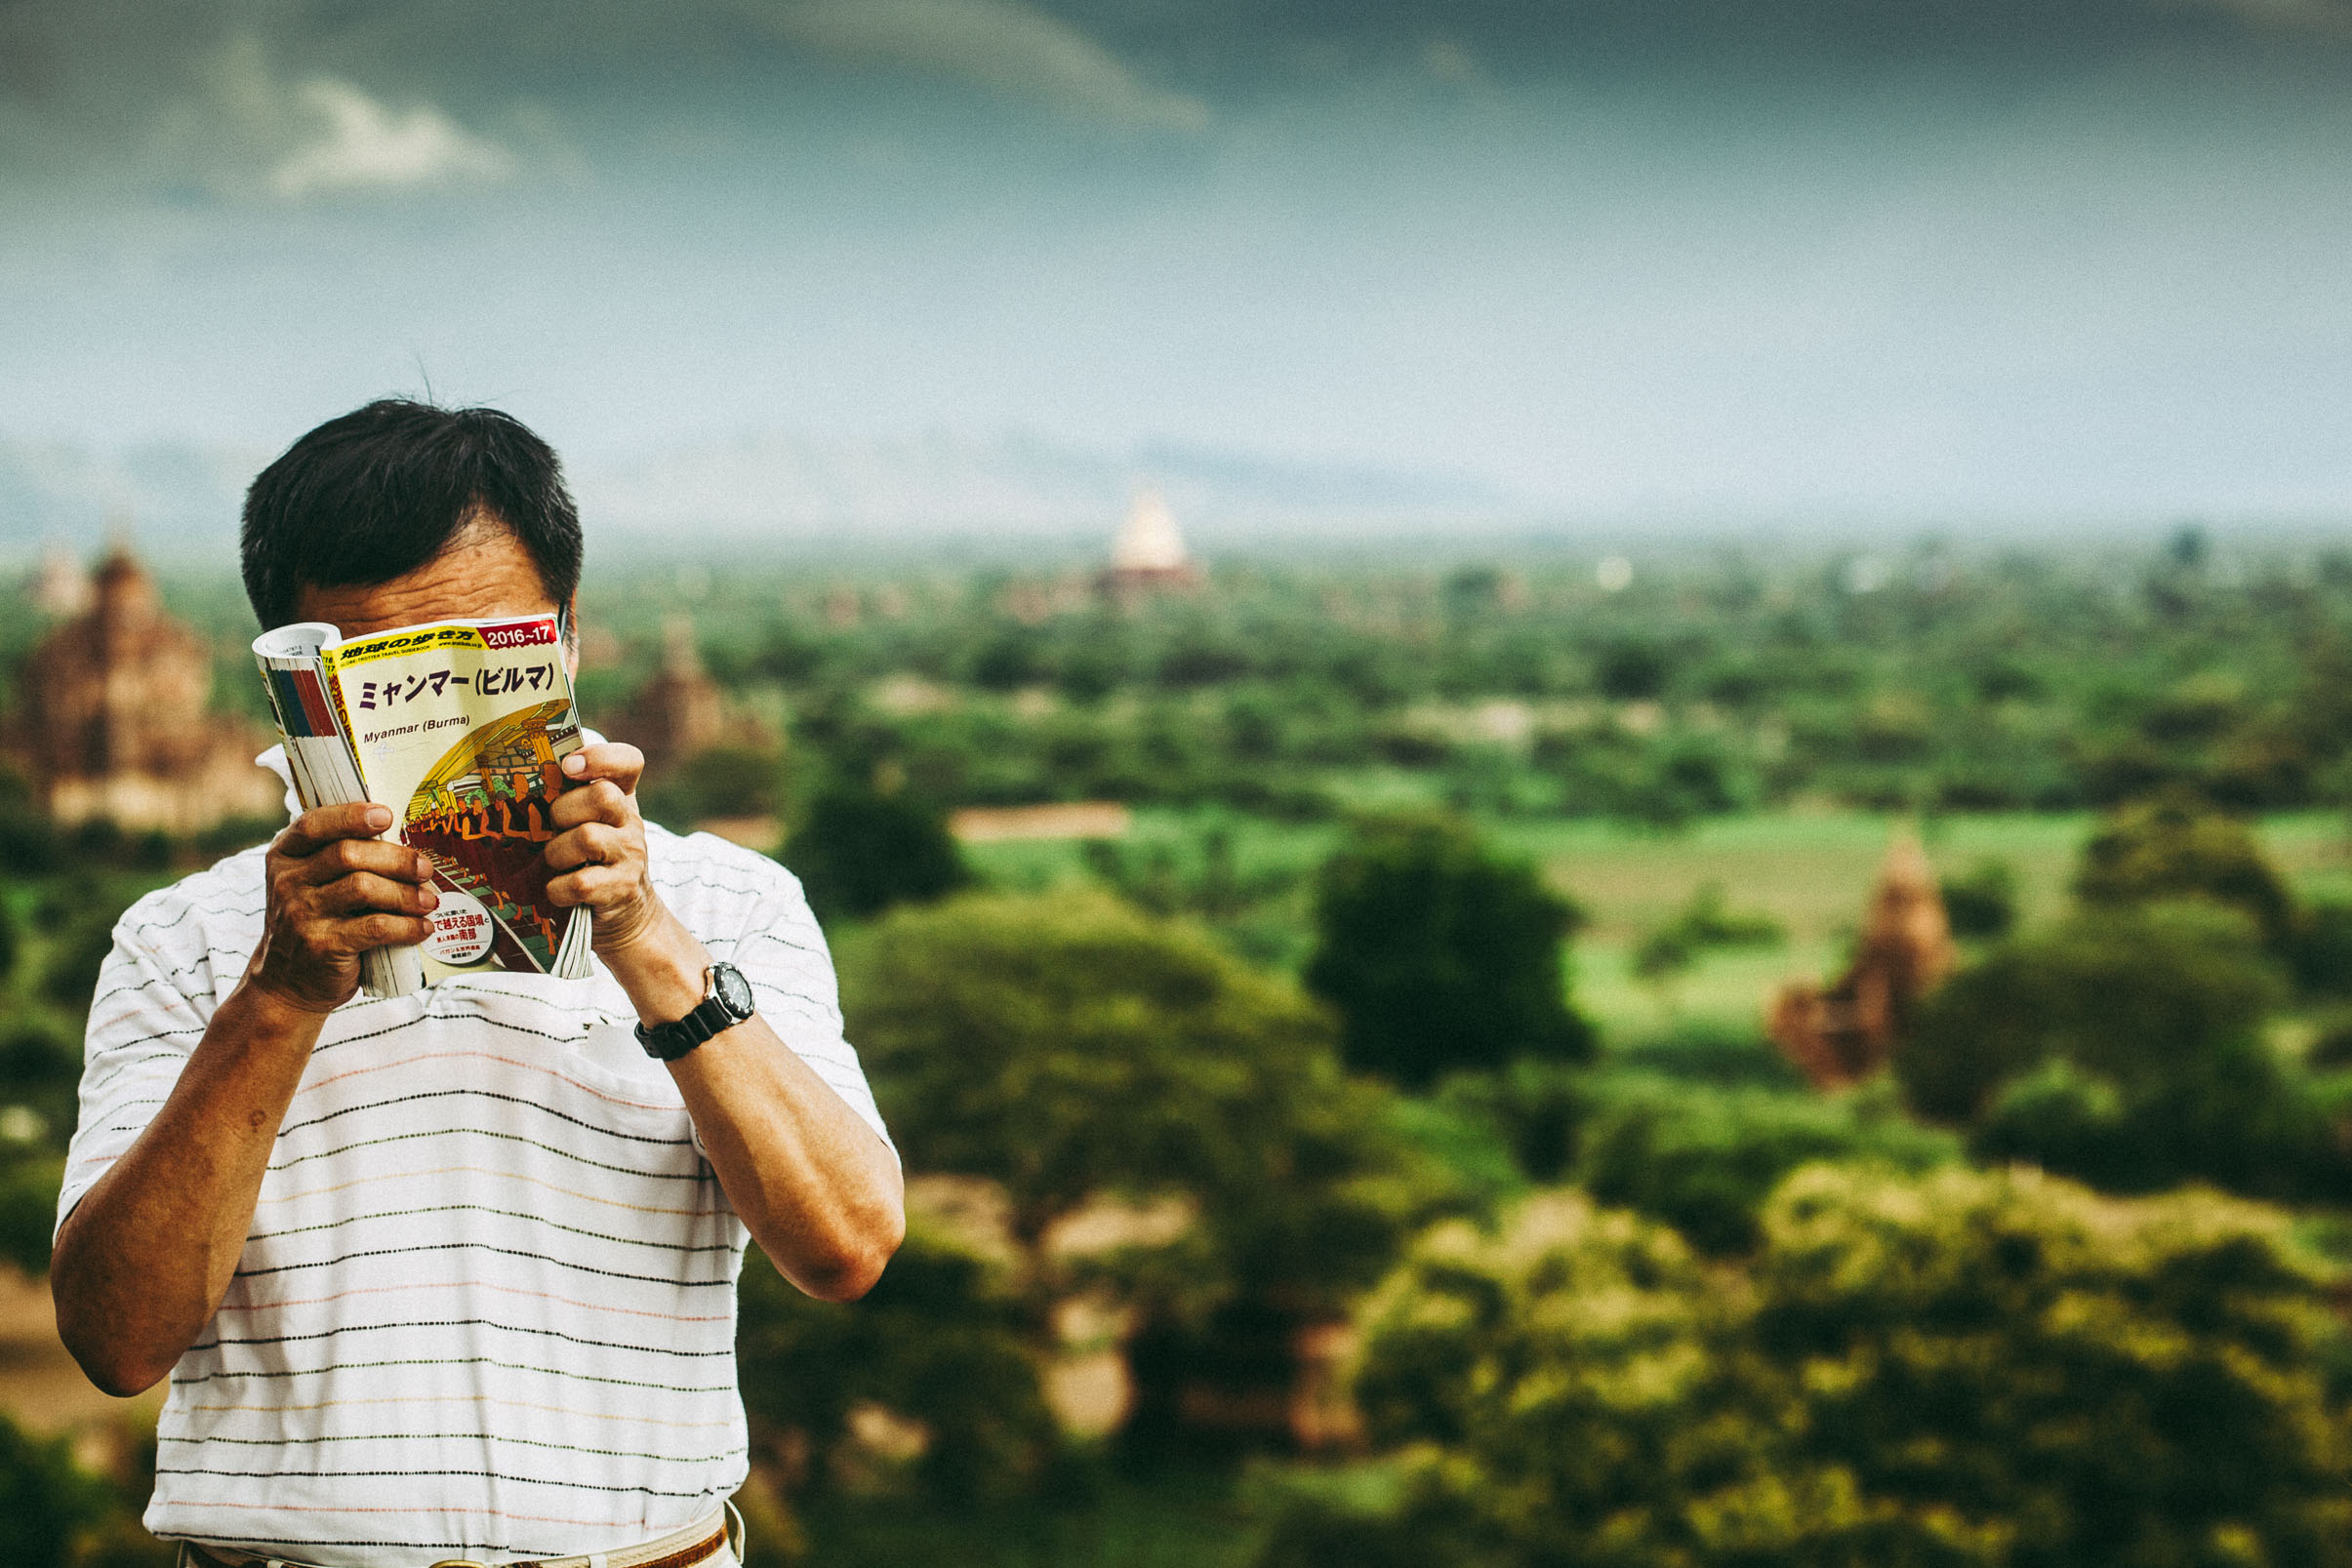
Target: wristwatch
(727,1003)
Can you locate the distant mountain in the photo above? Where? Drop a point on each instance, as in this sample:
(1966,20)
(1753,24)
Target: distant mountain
(803,489)
(173,498)
(785,489)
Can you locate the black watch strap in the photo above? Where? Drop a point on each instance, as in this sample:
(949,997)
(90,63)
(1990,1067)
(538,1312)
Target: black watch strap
(727,1002)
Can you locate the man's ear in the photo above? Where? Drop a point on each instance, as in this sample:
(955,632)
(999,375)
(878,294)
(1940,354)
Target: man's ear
(569,621)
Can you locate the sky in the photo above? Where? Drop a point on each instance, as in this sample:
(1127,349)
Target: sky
(1919,260)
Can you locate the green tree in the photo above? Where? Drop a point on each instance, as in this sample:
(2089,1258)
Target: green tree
(946,1341)
(29,1178)
(1534,1112)
(2037,1375)
(41,1071)
(1704,1158)
(1982,904)
(46,1502)
(1168,878)
(70,976)
(860,851)
(1970,1369)
(1662,958)
(2319,949)
(2176,847)
(2156,1015)
(1071,1046)
(1706,924)
(2132,991)
(1440,955)
(29,842)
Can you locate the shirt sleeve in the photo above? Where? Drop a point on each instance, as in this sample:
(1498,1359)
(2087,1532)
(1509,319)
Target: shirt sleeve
(143,1029)
(783,954)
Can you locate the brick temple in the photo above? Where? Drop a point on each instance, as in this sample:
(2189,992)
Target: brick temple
(114,717)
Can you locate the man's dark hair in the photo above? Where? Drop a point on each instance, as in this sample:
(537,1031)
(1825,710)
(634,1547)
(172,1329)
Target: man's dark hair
(381,491)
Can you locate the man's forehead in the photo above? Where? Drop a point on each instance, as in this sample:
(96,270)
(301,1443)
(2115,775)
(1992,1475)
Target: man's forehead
(485,572)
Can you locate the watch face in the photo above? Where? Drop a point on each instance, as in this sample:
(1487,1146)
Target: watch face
(734,991)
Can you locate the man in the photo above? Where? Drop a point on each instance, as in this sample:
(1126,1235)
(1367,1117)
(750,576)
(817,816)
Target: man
(453,1275)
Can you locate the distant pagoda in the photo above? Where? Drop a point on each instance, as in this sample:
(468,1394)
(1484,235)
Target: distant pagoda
(680,712)
(1148,556)
(114,715)
(1842,1033)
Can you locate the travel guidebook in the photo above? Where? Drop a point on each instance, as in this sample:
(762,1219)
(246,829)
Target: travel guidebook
(462,728)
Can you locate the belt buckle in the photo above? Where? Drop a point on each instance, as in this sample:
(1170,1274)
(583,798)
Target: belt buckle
(459,1562)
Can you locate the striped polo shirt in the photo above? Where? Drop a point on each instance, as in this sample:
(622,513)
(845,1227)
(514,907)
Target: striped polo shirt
(487,1306)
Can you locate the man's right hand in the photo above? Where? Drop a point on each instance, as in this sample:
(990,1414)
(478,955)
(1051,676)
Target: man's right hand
(334,891)
(145,1259)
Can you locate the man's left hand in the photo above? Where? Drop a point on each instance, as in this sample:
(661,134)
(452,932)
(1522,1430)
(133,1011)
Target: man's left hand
(598,851)
(821,1193)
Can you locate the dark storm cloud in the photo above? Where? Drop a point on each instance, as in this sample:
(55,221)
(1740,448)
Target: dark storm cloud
(189,92)
(272,96)
(1223,35)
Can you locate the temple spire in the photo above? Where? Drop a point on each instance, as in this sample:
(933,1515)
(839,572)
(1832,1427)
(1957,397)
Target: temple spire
(1148,553)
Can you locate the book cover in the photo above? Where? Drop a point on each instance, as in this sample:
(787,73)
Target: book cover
(460,728)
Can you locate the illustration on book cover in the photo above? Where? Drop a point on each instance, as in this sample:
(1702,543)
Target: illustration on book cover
(483,814)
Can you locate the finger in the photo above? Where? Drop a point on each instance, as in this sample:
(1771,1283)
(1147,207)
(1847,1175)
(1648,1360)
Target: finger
(321,825)
(602,801)
(624,764)
(594,844)
(378,931)
(345,856)
(594,885)
(364,892)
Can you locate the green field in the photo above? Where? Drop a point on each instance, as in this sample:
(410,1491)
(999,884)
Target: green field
(1811,871)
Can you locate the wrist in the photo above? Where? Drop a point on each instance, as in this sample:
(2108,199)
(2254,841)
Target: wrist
(262,1009)
(727,1002)
(619,927)
(663,971)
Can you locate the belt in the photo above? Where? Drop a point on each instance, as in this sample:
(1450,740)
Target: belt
(680,1548)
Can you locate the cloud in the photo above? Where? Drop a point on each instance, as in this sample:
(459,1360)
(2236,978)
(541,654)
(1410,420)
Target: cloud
(238,110)
(1002,45)
(363,145)
(325,135)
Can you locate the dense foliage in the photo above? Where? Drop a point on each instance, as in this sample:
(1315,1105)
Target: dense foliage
(46,1503)
(857,852)
(1705,1158)
(1981,903)
(1962,1369)
(2127,1049)
(1071,1046)
(2174,847)
(1714,683)
(1439,956)
(946,1341)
